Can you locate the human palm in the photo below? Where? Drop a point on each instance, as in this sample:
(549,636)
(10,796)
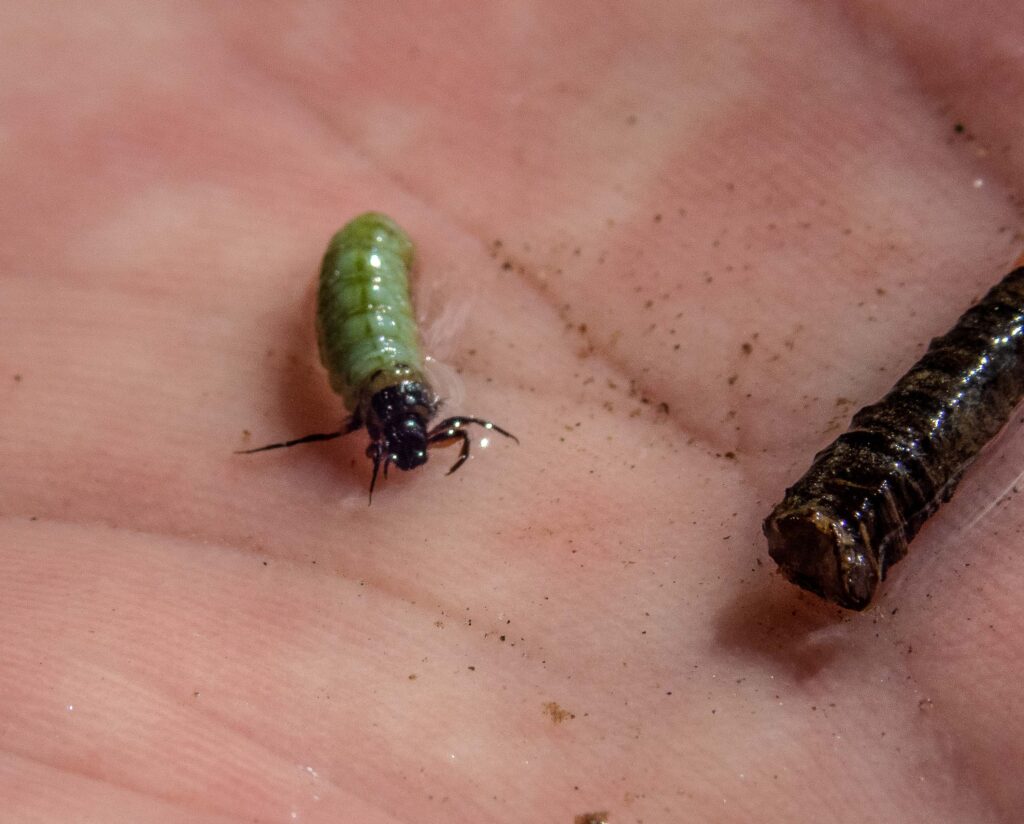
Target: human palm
(682,242)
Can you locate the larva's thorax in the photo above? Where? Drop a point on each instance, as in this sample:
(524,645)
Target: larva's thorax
(365,324)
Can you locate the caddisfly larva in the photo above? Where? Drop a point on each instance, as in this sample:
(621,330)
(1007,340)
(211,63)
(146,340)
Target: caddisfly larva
(370,346)
(850,517)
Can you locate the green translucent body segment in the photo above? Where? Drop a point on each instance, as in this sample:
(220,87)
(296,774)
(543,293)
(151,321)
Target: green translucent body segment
(364,315)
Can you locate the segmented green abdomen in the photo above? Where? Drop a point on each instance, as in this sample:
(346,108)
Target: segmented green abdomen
(364,315)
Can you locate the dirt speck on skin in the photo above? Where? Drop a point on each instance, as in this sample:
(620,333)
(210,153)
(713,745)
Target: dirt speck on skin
(557,713)
(592,818)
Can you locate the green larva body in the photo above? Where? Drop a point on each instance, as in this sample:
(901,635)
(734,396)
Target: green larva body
(370,348)
(365,325)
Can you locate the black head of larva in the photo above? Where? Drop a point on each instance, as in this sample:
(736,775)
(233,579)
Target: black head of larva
(397,423)
(406,443)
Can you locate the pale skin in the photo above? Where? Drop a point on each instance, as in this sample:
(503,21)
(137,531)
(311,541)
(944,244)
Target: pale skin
(721,231)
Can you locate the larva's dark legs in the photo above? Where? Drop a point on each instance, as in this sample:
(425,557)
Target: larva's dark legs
(458,421)
(448,436)
(373,453)
(351,425)
(450,430)
(321,436)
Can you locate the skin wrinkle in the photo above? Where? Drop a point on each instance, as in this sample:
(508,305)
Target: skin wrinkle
(622,584)
(64,771)
(24,800)
(276,752)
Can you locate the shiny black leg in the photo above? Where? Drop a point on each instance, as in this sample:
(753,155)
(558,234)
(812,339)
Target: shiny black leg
(373,452)
(458,421)
(446,437)
(351,425)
